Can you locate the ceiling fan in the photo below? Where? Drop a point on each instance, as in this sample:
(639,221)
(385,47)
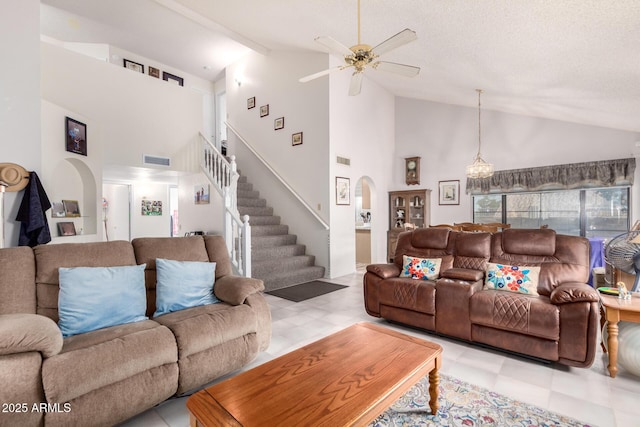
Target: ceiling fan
(361,56)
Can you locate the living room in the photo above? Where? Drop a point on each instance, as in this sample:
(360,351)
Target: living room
(376,130)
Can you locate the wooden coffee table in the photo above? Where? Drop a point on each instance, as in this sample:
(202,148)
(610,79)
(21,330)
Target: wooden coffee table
(345,379)
(616,310)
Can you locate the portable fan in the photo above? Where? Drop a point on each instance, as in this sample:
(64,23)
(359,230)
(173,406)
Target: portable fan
(623,252)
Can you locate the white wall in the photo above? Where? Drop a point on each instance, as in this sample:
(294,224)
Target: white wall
(136,114)
(19,99)
(362,129)
(202,217)
(150,225)
(70,176)
(446,138)
(273,80)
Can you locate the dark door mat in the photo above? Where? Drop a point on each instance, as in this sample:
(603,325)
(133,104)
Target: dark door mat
(306,290)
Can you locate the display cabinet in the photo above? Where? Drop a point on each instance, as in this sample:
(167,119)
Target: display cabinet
(407,209)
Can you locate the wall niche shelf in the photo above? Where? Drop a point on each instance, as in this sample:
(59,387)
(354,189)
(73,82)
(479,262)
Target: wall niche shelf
(407,209)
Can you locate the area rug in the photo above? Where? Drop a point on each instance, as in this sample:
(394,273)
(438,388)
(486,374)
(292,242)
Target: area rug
(464,405)
(306,290)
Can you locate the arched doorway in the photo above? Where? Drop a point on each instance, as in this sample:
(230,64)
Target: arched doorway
(364,221)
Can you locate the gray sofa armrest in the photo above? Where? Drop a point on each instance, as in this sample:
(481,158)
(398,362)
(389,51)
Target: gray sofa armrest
(573,292)
(235,289)
(22,333)
(384,271)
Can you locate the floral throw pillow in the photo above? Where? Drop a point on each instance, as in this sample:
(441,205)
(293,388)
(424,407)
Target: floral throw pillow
(420,268)
(513,278)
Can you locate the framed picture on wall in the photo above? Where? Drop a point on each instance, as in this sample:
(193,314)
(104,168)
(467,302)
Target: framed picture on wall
(343,195)
(278,123)
(151,207)
(66,229)
(154,72)
(296,138)
(57,210)
(449,192)
(130,65)
(71,208)
(264,110)
(201,194)
(251,102)
(75,136)
(171,78)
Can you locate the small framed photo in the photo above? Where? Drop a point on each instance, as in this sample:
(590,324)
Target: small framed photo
(278,123)
(343,193)
(66,229)
(251,103)
(57,210)
(296,138)
(151,207)
(264,110)
(449,192)
(71,208)
(76,136)
(154,72)
(134,66)
(171,78)
(201,194)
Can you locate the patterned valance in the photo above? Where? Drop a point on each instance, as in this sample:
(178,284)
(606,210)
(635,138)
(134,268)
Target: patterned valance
(605,173)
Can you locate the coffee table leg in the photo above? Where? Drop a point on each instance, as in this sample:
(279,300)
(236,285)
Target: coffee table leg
(612,341)
(434,381)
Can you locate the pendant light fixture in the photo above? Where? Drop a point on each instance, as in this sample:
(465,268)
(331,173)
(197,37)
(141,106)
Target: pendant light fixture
(479,168)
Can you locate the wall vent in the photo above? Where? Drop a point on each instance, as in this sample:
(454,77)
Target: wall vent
(148,159)
(343,161)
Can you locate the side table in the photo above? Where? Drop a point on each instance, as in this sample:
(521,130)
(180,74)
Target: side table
(614,311)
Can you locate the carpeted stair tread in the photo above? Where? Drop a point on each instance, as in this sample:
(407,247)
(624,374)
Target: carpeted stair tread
(283,279)
(248,194)
(253,202)
(268,230)
(275,252)
(268,267)
(264,220)
(270,241)
(255,210)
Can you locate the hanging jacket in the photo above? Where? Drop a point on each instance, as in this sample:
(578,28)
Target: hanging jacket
(34,229)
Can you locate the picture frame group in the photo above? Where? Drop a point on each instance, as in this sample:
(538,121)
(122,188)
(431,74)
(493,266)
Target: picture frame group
(153,72)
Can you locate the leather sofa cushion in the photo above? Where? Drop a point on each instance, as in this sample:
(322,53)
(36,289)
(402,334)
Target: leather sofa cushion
(524,314)
(463,274)
(529,242)
(411,294)
(100,358)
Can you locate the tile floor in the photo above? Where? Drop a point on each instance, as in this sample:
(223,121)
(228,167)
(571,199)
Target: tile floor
(589,395)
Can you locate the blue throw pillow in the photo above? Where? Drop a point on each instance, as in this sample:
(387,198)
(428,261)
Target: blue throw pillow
(98,297)
(183,284)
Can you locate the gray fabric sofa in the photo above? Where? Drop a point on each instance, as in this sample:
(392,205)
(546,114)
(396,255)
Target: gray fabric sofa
(106,376)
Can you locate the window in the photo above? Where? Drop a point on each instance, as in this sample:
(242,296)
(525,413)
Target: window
(602,212)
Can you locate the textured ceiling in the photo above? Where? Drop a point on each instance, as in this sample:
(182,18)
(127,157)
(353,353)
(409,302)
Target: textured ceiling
(572,60)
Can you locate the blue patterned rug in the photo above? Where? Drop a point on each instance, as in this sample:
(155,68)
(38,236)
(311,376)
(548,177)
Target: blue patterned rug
(464,405)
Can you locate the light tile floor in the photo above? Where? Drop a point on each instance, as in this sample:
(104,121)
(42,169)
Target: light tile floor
(589,395)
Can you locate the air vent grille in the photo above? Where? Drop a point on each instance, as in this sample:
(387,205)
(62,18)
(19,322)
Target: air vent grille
(156,160)
(343,160)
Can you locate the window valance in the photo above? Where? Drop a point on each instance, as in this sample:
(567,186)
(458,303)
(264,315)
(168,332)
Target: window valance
(605,173)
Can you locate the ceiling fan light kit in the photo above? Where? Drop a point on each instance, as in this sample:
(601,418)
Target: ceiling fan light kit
(361,56)
(479,168)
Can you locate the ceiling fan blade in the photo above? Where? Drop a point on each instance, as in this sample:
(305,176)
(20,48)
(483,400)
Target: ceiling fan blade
(403,37)
(392,67)
(317,75)
(334,46)
(356,84)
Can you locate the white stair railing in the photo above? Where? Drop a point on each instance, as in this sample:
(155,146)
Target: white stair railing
(237,231)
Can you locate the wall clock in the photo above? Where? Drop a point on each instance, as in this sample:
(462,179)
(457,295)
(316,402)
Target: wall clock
(412,170)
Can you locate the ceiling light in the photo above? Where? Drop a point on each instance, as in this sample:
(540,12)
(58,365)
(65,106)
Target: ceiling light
(479,168)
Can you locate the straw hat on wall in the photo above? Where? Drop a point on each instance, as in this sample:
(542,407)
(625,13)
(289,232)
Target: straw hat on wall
(14,176)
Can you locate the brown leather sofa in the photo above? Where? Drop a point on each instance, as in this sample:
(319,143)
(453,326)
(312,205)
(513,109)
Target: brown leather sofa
(560,324)
(105,376)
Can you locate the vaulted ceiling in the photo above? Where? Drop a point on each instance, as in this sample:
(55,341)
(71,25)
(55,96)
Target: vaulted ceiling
(571,60)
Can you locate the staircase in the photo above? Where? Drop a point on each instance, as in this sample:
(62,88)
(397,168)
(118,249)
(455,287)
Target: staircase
(276,257)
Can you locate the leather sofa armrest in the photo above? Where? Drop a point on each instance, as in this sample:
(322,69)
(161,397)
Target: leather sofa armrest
(384,271)
(234,290)
(23,332)
(463,274)
(573,292)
